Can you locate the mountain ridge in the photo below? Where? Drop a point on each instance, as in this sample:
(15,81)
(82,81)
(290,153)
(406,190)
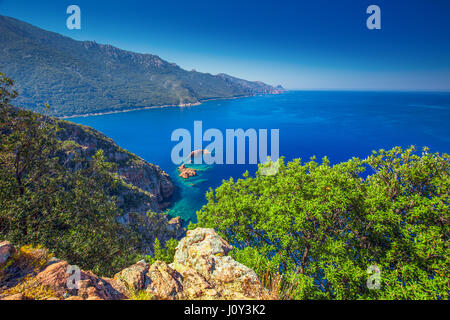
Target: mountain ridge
(84,77)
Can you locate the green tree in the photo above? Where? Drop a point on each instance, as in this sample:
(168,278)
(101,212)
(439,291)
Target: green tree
(161,253)
(323,226)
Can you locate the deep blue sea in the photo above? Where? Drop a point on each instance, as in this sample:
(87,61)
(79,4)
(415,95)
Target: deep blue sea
(338,124)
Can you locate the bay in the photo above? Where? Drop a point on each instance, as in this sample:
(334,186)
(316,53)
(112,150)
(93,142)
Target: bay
(336,124)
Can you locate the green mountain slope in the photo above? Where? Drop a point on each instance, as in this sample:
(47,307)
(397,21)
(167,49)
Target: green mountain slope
(79,77)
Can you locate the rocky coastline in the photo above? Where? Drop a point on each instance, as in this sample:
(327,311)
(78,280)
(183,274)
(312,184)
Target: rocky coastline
(181,105)
(201,269)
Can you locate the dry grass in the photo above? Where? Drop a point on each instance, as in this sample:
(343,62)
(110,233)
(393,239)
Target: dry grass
(140,295)
(276,287)
(29,258)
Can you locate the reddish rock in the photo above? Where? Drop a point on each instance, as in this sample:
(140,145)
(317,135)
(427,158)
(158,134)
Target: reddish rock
(198,152)
(205,252)
(201,270)
(164,282)
(55,276)
(132,277)
(17,296)
(186,172)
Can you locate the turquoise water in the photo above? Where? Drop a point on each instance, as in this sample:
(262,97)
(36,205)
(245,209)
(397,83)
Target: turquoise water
(337,124)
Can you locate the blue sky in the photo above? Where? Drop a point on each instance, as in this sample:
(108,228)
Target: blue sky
(318,44)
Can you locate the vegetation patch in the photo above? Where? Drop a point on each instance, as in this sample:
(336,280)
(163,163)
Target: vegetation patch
(363,229)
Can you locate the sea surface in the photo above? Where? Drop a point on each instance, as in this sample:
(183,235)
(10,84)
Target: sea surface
(336,124)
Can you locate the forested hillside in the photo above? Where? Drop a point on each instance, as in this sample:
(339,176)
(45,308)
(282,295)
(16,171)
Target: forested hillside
(80,77)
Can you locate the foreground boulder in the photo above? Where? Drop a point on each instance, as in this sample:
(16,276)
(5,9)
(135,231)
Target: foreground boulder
(6,251)
(164,282)
(89,287)
(201,269)
(201,257)
(32,274)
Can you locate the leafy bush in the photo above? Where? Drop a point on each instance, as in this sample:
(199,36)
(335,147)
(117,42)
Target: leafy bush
(162,253)
(326,228)
(140,295)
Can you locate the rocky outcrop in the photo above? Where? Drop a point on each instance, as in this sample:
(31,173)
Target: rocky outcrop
(201,269)
(202,259)
(31,273)
(89,287)
(132,277)
(164,282)
(197,153)
(186,172)
(153,184)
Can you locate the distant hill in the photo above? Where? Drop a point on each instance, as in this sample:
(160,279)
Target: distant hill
(80,77)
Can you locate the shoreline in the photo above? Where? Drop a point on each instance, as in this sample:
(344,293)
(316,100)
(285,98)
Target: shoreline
(84,115)
(183,105)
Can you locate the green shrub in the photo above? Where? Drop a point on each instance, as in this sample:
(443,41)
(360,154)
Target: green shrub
(324,226)
(162,253)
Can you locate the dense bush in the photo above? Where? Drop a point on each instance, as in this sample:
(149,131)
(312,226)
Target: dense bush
(328,228)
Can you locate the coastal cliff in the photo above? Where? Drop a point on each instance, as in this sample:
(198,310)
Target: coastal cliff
(201,269)
(142,187)
(147,180)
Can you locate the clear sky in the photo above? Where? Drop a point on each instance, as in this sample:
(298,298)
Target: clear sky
(314,44)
